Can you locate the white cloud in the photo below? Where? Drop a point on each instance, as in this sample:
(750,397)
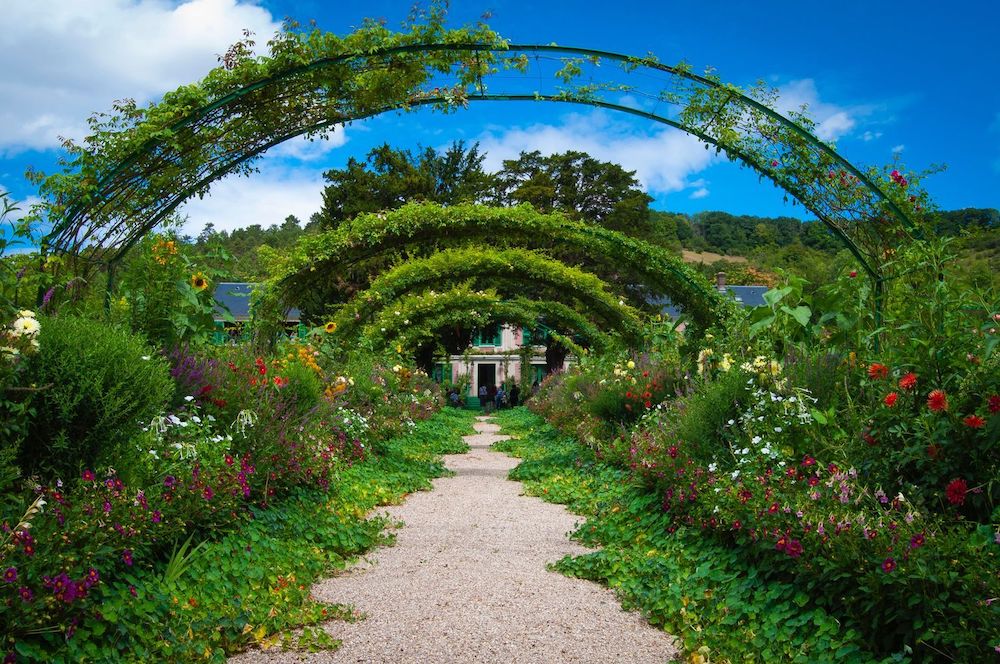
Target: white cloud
(663,159)
(896,149)
(305,150)
(871,135)
(64,60)
(699,193)
(264,198)
(832,121)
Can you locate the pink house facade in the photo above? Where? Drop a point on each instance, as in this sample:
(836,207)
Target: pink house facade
(495,357)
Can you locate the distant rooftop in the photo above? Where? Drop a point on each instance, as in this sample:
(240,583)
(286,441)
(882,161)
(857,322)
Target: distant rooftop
(748,296)
(235,296)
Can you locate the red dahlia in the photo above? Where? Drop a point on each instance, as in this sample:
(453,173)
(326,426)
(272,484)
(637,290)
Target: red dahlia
(955,491)
(937,401)
(908,381)
(876,370)
(993,404)
(890,399)
(973,421)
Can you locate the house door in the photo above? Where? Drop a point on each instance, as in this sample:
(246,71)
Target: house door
(486,374)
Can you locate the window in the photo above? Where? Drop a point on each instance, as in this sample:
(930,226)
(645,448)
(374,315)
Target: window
(488,336)
(441,373)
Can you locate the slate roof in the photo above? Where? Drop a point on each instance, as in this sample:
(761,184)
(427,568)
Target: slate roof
(235,296)
(748,296)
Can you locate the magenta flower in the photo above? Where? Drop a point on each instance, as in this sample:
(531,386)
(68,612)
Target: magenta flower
(25,593)
(127,557)
(10,576)
(888,565)
(88,476)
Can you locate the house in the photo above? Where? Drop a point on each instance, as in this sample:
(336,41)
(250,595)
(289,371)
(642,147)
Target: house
(234,298)
(495,357)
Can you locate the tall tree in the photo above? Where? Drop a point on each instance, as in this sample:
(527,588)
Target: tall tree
(388,177)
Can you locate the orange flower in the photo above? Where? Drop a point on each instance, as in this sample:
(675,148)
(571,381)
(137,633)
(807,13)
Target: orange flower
(908,382)
(937,401)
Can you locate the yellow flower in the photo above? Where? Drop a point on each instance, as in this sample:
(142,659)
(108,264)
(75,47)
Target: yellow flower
(631,364)
(198,281)
(330,327)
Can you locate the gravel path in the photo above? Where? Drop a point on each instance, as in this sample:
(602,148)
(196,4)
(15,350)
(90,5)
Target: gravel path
(466,582)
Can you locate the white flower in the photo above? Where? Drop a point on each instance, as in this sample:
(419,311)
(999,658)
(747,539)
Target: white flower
(146,357)
(173,419)
(189,398)
(196,419)
(712,467)
(755,440)
(26,313)
(26,326)
(777,429)
(735,474)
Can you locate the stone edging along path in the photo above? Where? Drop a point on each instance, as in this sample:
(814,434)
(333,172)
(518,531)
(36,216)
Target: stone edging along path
(466,582)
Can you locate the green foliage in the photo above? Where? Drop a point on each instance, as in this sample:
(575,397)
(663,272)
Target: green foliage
(247,587)
(97,385)
(322,263)
(165,296)
(389,177)
(516,266)
(721,604)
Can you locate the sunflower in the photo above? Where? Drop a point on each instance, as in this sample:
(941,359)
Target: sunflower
(330,327)
(199,281)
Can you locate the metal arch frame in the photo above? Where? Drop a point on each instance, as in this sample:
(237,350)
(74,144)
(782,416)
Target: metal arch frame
(75,214)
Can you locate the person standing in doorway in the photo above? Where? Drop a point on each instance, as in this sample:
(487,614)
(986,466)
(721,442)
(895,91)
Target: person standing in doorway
(515,394)
(483,396)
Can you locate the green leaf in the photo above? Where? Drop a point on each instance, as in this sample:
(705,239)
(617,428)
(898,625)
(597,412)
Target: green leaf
(801,314)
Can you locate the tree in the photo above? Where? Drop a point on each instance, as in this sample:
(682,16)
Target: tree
(390,177)
(579,185)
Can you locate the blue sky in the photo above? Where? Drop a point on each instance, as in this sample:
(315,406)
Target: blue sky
(917,80)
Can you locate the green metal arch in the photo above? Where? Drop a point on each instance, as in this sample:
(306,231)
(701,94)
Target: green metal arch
(117,190)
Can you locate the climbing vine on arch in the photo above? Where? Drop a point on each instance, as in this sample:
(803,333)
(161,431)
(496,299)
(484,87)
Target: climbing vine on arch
(519,267)
(419,225)
(421,316)
(139,164)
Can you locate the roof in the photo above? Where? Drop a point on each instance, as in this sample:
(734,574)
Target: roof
(748,296)
(235,296)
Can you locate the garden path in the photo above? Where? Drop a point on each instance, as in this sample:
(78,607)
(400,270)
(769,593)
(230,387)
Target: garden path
(466,582)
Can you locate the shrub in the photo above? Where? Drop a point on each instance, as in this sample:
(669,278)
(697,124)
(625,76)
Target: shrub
(98,385)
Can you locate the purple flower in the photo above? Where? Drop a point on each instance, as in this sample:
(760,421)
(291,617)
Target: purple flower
(127,557)
(10,576)
(156,516)
(207,494)
(25,593)
(48,296)
(169,481)
(92,578)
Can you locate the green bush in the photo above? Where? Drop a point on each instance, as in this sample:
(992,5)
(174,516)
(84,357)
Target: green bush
(98,386)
